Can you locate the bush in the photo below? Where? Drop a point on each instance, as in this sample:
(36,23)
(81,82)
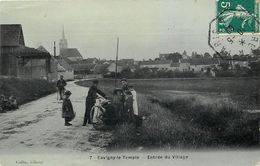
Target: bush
(25,89)
(225,74)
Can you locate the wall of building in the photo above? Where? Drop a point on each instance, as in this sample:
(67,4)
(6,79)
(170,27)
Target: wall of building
(53,75)
(199,68)
(182,67)
(68,75)
(32,68)
(9,65)
(112,68)
(1,64)
(159,66)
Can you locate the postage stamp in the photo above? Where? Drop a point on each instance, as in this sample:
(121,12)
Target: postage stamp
(235,30)
(237,15)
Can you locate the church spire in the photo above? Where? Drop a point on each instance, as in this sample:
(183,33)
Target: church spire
(63,41)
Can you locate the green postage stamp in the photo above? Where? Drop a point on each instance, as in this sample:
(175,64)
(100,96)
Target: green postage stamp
(237,16)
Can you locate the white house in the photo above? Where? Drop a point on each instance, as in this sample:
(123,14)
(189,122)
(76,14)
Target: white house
(202,64)
(182,65)
(65,69)
(158,64)
(112,68)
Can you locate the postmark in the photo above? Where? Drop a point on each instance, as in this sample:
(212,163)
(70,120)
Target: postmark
(235,31)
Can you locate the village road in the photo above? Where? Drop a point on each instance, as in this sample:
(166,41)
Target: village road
(38,127)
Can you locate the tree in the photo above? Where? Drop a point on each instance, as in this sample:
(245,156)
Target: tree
(175,57)
(224,66)
(215,55)
(207,55)
(255,68)
(184,53)
(196,55)
(127,73)
(143,73)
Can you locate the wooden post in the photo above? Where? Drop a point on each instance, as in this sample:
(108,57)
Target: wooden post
(48,71)
(116,62)
(31,69)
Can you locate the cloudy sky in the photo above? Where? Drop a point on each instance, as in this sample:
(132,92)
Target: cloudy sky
(145,27)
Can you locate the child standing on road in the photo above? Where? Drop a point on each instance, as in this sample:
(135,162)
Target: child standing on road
(61,83)
(67,109)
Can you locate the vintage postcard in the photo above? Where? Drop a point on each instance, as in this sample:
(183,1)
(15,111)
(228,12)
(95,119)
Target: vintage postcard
(129,82)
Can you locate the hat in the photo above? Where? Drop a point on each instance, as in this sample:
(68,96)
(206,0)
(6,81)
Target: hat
(118,90)
(123,79)
(67,92)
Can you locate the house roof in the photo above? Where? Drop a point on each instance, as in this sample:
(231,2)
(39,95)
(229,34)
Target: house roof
(60,68)
(164,54)
(70,52)
(25,52)
(89,60)
(99,67)
(202,61)
(11,35)
(126,60)
(41,48)
(157,62)
(82,67)
(64,63)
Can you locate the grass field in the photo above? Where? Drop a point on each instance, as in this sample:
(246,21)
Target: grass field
(190,113)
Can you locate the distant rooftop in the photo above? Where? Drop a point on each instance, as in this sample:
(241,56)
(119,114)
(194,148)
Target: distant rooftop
(156,62)
(41,48)
(70,52)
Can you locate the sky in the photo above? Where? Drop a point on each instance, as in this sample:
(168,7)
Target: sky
(145,27)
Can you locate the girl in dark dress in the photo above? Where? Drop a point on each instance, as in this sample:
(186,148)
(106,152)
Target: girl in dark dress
(67,109)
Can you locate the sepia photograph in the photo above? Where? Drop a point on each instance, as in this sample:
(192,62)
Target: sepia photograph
(129,82)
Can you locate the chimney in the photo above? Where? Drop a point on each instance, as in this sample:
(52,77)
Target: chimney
(54,49)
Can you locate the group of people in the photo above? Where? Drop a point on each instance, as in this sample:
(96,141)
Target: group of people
(124,102)
(7,104)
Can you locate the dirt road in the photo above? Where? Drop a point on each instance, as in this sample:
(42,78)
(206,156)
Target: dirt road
(38,127)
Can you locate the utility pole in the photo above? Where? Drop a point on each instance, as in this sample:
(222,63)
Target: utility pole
(116,62)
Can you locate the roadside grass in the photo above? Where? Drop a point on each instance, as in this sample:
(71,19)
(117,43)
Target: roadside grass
(25,90)
(182,122)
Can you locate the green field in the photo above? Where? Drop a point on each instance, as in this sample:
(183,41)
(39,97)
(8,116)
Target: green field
(190,113)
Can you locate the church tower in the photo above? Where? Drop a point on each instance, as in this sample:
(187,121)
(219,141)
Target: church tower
(63,41)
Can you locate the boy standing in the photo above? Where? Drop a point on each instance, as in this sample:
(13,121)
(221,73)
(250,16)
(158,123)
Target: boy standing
(61,83)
